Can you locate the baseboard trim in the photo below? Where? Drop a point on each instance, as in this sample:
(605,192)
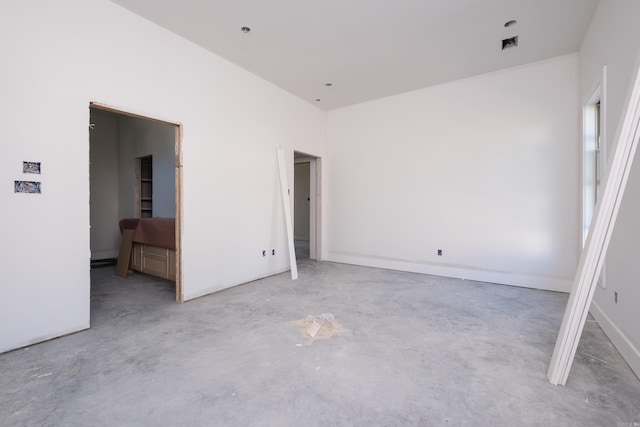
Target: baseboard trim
(43,338)
(213,290)
(503,278)
(629,352)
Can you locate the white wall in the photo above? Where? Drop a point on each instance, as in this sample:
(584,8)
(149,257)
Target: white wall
(483,168)
(63,55)
(613,39)
(104,210)
(140,138)
(301,202)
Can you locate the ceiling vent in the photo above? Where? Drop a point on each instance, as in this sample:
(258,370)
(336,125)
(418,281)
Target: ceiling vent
(510,42)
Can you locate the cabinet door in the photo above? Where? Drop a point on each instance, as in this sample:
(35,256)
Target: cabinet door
(155,261)
(136,257)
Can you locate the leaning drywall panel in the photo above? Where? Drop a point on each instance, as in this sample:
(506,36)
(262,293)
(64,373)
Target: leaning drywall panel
(67,55)
(285,193)
(484,169)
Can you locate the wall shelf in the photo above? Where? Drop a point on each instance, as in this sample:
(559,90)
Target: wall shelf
(144,187)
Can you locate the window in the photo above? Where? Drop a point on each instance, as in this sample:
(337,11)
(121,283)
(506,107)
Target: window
(593,156)
(592,169)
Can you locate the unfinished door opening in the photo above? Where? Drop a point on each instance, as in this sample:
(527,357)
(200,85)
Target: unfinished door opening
(306,201)
(135,186)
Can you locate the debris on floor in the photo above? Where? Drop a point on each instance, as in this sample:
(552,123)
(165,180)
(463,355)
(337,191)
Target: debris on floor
(320,327)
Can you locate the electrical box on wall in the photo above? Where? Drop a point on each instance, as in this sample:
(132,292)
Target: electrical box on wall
(32,187)
(29,187)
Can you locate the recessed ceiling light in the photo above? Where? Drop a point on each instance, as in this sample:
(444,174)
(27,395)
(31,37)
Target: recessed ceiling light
(245,29)
(510,23)
(328,84)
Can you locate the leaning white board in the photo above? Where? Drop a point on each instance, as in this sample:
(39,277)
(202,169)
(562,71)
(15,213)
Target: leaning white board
(286,207)
(595,249)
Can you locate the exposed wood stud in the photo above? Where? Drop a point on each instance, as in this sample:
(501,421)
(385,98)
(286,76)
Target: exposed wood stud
(179,289)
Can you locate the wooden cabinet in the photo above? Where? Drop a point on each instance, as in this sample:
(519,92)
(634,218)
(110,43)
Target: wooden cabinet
(155,261)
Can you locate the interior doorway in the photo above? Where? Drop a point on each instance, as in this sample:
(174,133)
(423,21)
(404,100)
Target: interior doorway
(135,175)
(306,206)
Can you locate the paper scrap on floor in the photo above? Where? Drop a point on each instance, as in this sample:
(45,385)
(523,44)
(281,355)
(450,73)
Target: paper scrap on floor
(320,326)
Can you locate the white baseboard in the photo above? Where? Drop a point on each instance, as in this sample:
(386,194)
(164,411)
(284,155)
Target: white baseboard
(490,276)
(629,352)
(215,289)
(26,343)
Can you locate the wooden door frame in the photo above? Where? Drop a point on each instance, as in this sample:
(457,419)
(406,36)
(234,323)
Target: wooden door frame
(178,184)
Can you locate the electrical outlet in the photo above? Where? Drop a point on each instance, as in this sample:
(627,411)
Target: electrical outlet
(439,252)
(273,251)
(264,253)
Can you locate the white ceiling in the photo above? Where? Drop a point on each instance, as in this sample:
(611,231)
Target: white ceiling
(370,49)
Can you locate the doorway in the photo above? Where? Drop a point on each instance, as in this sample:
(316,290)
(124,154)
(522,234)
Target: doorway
(135,172)
(307,206)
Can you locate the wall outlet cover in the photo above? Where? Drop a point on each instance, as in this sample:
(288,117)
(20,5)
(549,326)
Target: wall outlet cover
(32,187)
(31,167)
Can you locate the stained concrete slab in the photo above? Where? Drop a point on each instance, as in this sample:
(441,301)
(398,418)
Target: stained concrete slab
(417,350)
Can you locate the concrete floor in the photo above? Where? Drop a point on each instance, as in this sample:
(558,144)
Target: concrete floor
(418,350)
(302,249)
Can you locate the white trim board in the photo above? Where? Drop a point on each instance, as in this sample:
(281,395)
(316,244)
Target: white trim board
(218,288)
(54,335)
(595,250)
(629,352)
(490,276)
(286,207)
